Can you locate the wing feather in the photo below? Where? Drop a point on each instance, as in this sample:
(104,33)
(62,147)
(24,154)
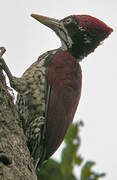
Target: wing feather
(65,83)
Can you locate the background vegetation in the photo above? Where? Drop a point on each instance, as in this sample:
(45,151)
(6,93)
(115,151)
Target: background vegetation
(70,158)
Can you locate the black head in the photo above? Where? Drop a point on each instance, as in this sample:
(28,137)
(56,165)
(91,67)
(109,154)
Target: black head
(79,34)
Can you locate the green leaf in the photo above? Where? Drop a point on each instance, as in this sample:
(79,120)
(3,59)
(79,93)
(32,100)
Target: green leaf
(71,134)
(69,153)
(88,174)
(66,164)
(51,170)
(78,160)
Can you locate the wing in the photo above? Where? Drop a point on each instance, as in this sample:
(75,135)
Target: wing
(64,78)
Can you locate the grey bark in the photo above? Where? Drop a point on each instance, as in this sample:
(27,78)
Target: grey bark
(15,160)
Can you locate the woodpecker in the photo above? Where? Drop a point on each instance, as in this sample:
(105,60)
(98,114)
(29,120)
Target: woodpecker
(49,90)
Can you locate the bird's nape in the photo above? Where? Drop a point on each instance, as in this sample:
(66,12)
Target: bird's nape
(94,26)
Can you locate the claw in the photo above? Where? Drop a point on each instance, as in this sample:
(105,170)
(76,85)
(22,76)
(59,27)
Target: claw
(2,51)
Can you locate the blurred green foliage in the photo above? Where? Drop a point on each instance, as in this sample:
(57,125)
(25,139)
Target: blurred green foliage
(63,170)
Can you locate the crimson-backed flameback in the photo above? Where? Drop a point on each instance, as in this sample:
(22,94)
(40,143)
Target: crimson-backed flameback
(50,89)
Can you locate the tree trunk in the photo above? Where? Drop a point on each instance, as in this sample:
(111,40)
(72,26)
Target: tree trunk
(15,160)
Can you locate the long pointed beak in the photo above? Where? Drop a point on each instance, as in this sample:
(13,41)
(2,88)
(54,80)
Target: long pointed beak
(54,24)
(57,26)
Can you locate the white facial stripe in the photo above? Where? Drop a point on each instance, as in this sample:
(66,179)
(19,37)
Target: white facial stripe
(63,34)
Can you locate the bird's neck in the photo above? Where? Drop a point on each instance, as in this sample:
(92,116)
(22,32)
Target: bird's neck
(63,45)
(71,51)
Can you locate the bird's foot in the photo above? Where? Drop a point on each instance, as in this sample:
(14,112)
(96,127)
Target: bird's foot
(3,64)
(2,51)
(16,83)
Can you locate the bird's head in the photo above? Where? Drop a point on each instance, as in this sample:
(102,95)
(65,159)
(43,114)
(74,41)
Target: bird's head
(79,34)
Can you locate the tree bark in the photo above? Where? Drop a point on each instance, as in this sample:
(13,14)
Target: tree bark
(15,160)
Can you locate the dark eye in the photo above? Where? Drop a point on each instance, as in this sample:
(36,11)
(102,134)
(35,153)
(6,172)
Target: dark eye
(68,20)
